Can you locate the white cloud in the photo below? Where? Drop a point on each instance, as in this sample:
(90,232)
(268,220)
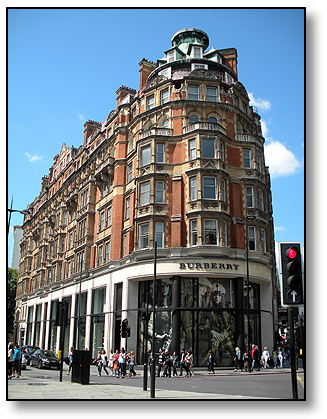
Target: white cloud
(81,117)
(262,104)
(281,161)
(280,228)
(33,159)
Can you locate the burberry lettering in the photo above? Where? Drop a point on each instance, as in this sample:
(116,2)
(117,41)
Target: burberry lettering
(212,265)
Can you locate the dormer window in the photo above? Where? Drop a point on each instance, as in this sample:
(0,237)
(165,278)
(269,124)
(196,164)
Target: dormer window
(197,52)
(170,56)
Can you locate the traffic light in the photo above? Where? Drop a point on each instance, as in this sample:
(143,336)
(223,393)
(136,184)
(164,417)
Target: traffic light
(125,330)
(291,273)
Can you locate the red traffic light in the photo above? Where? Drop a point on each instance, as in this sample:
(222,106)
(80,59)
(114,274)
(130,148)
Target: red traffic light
(291,253)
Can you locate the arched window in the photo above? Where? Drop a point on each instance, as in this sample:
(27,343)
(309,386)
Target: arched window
(164,123)
(212,120)
(193,119)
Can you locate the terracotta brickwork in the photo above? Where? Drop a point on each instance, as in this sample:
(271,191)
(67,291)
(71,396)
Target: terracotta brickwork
(167,165)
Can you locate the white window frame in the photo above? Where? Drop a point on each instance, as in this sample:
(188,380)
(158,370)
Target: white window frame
(160,230)
(193,188)
(145,193)
(150,102)
(100,255)
(164,96)
(249,197)
(144,236)
(207,229)
(197,52)
(192,149)
(212,97)
(194,232)
(195,94)
(160,153)
(247,158)
(145,158)
(252,241)
(208,187)
(160,191)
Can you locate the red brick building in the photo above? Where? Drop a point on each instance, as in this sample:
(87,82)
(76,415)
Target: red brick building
(179,161)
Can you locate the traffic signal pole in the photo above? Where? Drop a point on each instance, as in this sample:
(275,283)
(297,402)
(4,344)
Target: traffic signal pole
(293,355)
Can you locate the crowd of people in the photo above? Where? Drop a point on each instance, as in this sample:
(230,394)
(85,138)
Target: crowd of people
(118,361)
(279,357)
(13,361)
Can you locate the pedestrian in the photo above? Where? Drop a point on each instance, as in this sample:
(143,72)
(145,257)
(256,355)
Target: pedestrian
(175,363)
(255,354)
(191,363)
(237,359)
(132,364)
(98,362)
(111,361)
(70,358)
(188,363)
(167,365)
(116,364)
(160,362)
(211,362)
(10,360)
(287,357)
(122,362)
(280,355)
(104,360)
(16,361)
(151,362)
(182,363)
(246,361)
(274,357)
(265,357)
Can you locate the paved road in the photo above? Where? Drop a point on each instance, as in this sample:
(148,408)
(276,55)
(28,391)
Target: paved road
(225,384)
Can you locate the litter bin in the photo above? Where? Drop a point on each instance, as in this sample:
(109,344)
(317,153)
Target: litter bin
(81,366)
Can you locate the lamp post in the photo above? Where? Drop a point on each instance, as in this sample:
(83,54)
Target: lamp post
(248,217)
(153,364)
(10,210)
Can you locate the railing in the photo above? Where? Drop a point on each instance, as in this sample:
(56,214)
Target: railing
(156,131)
(203,126)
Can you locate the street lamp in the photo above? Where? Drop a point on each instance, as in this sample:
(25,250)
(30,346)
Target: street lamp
(10,210)
(247,218)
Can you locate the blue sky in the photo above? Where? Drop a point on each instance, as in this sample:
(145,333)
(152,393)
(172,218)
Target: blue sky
(64,67)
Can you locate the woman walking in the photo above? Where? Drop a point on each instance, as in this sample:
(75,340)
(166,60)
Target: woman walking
(132,364)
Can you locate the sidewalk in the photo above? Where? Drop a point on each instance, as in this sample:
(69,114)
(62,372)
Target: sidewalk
(26,389)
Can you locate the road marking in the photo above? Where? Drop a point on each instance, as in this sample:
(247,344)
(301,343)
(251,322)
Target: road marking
(300,380)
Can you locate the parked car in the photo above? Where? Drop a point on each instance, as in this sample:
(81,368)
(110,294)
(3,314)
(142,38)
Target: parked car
(44,359)
(27,351)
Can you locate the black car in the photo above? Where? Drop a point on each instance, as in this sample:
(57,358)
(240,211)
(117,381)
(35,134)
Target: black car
(27,351)
(44,359)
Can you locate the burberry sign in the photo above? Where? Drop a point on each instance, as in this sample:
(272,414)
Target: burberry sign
(207,265)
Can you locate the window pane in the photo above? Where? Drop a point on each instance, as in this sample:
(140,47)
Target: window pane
(212,94)
(209,188)
(145,155)
(193,92)
(160,153)
(159,191)
(192,149)
(145,193)
(144,236)
(208,148)
(159,234)
(210,231)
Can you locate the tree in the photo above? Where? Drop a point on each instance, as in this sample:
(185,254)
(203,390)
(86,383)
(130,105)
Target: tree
(11,295)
